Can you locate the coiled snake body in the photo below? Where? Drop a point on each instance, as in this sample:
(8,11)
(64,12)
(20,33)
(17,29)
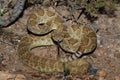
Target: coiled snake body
(74,39)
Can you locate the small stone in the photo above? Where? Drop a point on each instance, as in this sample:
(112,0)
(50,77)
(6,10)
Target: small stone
(101,78)
(99,40)
(94,27)
(117,77)
(102,73)
(20,77)
(92,70)
(6,75)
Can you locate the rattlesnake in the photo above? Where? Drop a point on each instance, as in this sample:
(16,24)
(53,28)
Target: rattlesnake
(77,40)
(45,64)
(48,27)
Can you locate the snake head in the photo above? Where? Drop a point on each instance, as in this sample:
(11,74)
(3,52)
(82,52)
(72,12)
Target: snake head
(57,37)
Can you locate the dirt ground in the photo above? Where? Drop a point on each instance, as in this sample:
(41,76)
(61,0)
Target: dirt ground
(106,57)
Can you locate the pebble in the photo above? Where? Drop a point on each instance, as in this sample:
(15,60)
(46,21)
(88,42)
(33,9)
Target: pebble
(10,76)
(94,27)
(117,77)
(102,73)
(99,40)
(20,77)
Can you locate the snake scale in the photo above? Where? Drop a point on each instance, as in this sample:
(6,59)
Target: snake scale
(74,39)
(48,29)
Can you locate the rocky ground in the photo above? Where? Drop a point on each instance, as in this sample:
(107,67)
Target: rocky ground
(106,57)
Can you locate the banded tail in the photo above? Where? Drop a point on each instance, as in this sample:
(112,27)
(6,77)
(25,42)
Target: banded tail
(73,57)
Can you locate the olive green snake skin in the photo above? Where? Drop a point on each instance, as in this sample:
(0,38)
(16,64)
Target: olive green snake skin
(43,63)
(74,39)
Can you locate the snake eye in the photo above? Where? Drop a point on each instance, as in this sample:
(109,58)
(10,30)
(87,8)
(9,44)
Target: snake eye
(41,24)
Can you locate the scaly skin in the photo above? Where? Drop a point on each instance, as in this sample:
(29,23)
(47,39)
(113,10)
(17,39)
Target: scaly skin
(77,40)
(44,64)
(74,39)
(49,26)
